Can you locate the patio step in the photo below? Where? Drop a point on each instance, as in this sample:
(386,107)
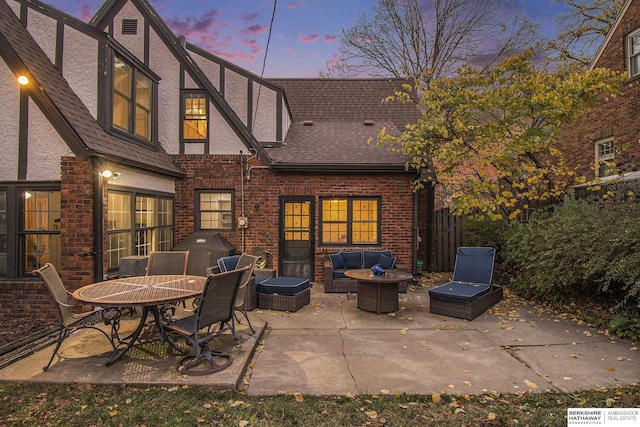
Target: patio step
(28,345)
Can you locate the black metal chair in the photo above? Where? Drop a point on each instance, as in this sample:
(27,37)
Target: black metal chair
(70,321)
(246,262)
(215,307)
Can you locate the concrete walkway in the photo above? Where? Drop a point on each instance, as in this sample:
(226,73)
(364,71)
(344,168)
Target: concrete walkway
(331,347)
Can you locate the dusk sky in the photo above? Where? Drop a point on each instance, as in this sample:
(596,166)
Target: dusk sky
(305,35)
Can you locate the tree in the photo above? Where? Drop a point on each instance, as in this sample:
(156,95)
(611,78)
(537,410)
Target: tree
(582,28)
(430,38)
(489,135)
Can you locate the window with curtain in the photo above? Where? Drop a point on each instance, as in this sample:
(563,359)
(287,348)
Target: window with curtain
(350,221)
(195,116)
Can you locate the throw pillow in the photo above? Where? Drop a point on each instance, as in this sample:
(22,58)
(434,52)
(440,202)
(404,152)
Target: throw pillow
(386,262)
(336,261)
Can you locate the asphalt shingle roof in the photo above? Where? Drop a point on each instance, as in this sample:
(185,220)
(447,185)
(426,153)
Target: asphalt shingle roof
(333,120)
(82,132)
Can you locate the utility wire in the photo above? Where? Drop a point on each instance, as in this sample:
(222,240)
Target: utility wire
(264,63)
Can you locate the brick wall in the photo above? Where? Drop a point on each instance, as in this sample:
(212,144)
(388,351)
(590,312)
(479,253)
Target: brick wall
(617,118)
(263,189)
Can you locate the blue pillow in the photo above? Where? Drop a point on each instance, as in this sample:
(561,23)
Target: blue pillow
(386,262)
(352,260)
(336,261)
(228,263)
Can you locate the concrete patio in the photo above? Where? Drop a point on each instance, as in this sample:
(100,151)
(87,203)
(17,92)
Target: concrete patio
(331,347)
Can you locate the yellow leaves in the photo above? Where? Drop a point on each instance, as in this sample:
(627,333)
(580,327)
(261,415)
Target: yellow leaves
(435,397)
(492,416)
(530,384)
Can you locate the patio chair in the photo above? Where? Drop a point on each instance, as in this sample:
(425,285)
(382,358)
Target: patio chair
(248,263)
(167,262)
(471,291)
(70,321)
(215,307)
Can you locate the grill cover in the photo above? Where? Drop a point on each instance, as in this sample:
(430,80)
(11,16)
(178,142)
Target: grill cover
(204,250)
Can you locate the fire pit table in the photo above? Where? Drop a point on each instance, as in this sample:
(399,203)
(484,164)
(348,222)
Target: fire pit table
(378,293)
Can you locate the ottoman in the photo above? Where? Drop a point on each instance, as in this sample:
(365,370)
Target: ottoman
(283,293)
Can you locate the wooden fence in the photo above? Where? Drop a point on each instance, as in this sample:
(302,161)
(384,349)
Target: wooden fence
(448,237)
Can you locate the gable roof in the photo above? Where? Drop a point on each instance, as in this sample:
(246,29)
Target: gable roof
(333,120)
(609,36)
(64,108)
(104,17)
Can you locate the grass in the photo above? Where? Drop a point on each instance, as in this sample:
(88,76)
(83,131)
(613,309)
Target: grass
(89,405)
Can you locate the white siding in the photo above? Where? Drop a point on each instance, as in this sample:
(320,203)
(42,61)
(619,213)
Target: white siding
(9,121)
(45,147)
(264,111)
(235,93)
(80,67)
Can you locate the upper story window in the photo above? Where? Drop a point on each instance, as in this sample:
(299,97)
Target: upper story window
(132,100)
(605,157)
(195,116)
(633,47)
(350,221)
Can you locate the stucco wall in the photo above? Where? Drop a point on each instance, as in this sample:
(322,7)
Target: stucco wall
(80,67)
(9,123)
(45,147)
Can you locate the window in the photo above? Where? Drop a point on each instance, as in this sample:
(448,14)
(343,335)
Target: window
(605,157)
(132,100)
(195,116)
(351,221)
(633,49)
(137,224)
(215,210)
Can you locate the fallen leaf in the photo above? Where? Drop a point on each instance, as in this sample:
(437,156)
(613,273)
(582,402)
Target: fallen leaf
(492,416)
(530,384)
(113,413)
(452,386)
(372,414)
(298,397)
(435,396)
(610,369)
(243,423)
(207,406)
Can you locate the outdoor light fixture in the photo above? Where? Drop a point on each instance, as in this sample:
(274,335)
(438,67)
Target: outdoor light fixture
(109,174)
(23,80)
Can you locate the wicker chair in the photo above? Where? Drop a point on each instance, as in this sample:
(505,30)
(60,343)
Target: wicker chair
(215,307)
(70,321)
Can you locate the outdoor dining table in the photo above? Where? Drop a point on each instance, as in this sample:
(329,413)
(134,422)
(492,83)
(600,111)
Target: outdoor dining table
(378,293)
(148,292)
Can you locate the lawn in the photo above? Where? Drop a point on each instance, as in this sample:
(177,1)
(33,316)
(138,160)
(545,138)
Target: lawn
(87,405)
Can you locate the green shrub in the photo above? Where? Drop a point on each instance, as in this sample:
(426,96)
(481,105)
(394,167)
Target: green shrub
(581,248)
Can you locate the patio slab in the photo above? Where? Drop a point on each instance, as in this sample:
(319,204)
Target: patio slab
(331,347)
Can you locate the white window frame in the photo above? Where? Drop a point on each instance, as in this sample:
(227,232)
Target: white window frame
(633,57)
(606,154)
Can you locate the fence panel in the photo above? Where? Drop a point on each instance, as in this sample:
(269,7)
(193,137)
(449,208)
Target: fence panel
(448,237)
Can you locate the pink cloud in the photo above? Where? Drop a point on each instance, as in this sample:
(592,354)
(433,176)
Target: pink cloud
(330,39)
(85,13)
(291,51)
(308,39)
(293,5)
(250,17)
(255,29)
(192,26)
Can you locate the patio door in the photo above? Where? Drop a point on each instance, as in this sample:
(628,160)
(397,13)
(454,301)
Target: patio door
(296,237)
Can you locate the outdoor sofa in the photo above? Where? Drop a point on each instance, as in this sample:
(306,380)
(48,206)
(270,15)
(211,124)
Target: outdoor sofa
(339,262)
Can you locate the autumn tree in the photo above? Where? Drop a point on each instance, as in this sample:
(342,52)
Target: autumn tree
(489,135)
(583,26)
(430,38)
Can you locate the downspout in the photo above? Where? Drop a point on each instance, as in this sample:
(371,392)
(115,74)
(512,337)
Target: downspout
(416,232)
(98,225)
(242,196)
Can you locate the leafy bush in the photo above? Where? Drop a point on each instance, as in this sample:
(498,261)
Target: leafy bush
(580,250)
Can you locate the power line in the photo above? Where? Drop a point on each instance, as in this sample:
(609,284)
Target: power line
(264,63)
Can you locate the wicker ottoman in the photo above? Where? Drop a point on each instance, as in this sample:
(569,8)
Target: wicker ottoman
(284,293)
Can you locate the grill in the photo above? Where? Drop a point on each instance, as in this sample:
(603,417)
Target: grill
(204,250)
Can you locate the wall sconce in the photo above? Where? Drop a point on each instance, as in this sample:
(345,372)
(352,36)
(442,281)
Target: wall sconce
(23,80)
(109,174)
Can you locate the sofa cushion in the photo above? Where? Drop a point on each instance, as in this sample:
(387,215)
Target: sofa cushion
(386,262)
(352,260)
(339,274)
(460,291)
(337,262)
(282,285)
(228,263)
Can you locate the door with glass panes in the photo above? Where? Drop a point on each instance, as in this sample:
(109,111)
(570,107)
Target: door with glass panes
(296,237)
